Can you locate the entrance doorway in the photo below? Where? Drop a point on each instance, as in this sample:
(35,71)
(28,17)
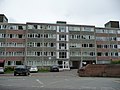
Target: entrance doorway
(75,64)
(64,65)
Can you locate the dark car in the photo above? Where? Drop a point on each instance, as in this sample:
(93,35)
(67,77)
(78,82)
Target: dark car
(21,70)
(54,68)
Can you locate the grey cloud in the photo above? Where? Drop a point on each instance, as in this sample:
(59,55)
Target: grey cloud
(1,2)
(76,11)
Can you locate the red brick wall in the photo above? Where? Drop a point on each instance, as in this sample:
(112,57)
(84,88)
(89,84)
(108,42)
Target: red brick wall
(110,70)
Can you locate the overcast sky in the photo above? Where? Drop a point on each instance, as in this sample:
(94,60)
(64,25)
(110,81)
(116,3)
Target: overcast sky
(83,12)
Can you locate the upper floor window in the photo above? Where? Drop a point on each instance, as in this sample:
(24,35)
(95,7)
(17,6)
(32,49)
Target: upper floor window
(71,28)
(118,31)
(3,26)
(89,29)
(62,45)
(101,31)
(62,29)
(32,26)
(62,54)
(21,27)
(62,37)
(112,31)
(102,38)
(42,27)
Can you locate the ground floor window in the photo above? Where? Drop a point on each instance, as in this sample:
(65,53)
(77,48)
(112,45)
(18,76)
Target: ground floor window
(13,63)
(19,63)
(41,63)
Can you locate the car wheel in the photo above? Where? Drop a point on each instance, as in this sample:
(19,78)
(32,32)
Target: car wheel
(27,74)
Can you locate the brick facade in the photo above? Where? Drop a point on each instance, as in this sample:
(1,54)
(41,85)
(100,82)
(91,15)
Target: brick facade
(104,70)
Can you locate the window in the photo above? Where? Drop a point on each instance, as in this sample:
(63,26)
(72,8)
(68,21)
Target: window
(62,37)
(102,38)
(105,46)
(9,62)
(20,35)
(99,54)
(3,26)
(112,31)
(118,31)
(75,53)
(38,53)
(32,26)
(91,45)
(18,63)
(52,54)
(2,35)
(2,53)
(62,54)
(101,31)
(30,44)
(113,38)
(14,27)
(106,54)
(35,26)
(88,37)
(116,53)
(62,29)
(20,27)
(62,46)
(71,28)
(38,44)
(118,38)
(89,29)
(84,45)
(92,53)
(115,46)
(52,45)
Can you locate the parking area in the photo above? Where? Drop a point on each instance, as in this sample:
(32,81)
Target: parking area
(65,80)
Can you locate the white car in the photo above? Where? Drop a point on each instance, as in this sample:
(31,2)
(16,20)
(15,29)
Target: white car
(2,70)
(33,69)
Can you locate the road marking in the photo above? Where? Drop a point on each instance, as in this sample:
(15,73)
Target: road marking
(117,81)
(66,79)
(36,86)
(12,79)
(5,85)
(87,88)
(60,81)
(39,81)
(107,88)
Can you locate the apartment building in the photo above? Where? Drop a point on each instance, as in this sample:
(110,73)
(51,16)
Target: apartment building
(67,45)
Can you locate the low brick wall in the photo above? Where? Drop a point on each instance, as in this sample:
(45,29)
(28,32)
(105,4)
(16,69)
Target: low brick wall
(100,70)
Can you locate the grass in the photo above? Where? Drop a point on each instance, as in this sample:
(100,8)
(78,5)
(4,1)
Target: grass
(43,70)
(9,70)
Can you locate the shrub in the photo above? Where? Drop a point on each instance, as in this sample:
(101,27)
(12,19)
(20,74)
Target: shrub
(43,70)
(115,62)
(9,69)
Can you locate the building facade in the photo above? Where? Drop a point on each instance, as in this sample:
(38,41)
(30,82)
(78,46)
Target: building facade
(67,45)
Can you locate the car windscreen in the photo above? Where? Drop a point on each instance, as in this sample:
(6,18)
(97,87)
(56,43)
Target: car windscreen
(20,69)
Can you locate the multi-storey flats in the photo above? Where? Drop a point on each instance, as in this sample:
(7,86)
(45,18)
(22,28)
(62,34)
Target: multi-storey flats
(67,45)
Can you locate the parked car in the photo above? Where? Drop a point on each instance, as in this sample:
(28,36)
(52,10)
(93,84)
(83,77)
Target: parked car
(33,69)
(2,70)
(21,70)
(54,68)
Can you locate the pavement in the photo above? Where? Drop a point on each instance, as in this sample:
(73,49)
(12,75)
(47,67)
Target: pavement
(64,80)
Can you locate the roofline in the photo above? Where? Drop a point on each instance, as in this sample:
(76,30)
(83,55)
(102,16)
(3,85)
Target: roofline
(60,24)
